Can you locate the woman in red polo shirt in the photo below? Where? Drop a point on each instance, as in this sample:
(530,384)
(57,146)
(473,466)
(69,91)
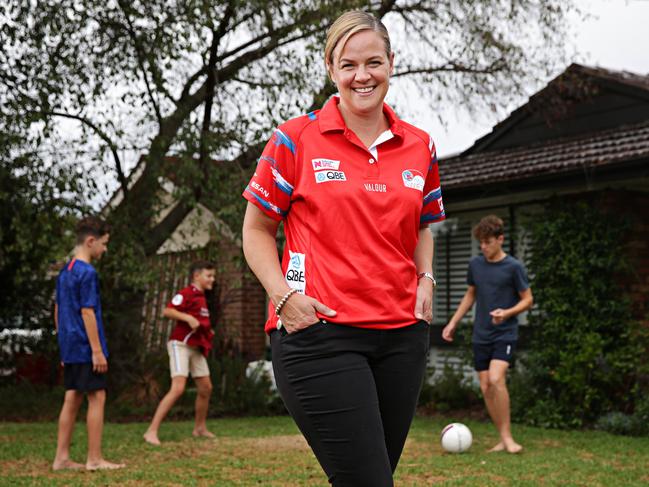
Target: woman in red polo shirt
(351,300)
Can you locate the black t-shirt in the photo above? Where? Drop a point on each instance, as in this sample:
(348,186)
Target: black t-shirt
(498,285)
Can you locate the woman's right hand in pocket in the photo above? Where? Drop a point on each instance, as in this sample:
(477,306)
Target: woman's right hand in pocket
(299,312)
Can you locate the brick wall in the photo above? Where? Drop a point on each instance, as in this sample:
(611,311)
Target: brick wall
(239,301)
(634,205)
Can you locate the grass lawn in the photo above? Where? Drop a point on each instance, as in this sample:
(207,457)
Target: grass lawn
(270,452)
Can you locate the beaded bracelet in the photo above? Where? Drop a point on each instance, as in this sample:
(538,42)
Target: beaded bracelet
(282,302)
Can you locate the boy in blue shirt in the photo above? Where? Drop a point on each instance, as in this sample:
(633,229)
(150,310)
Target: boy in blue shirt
(80,331)
(499,286)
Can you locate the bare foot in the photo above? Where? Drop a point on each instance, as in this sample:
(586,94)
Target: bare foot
(513,447)
(66,465)
(103,465)
(499,447)
(203,433)
(151,438)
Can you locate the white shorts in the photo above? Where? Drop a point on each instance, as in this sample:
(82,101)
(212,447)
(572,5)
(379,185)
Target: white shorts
(184,360)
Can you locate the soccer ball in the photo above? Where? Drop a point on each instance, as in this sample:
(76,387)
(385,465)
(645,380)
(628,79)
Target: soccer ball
(456,438)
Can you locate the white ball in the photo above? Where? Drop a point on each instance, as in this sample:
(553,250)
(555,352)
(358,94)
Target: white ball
(456,438)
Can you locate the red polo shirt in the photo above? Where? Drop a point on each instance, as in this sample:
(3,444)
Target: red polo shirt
(351,214)
(191,300)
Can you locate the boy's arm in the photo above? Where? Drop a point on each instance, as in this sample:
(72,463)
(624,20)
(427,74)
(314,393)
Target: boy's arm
(500,315)
(99,363)
(174,314)
(465,305)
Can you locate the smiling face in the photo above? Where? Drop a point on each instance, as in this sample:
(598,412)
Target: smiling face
(361,69)
(204,279)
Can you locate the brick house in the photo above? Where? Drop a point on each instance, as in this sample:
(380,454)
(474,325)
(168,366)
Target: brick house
(238,298)
(584,136)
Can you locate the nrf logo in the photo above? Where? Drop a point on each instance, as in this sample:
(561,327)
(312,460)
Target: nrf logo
(327,176)
(320,164)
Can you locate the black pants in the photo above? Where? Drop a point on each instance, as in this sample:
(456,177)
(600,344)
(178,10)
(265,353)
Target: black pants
(352,393)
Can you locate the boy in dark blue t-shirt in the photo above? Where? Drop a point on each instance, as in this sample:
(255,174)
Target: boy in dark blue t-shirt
(80,332)
(498,284)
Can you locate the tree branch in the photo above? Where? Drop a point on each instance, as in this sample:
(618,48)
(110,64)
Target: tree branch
(103,136)
(453,67)
(140,60)
(209,98)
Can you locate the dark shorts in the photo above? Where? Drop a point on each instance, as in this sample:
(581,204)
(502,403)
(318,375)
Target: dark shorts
(483,354)
(80,377)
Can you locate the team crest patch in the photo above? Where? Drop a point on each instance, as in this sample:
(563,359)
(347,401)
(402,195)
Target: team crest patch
(177,300)
(413,179)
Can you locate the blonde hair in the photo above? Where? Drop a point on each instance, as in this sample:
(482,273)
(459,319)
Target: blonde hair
(349,24)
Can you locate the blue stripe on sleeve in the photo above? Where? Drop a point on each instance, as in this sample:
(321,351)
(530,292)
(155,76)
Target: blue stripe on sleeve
(430,218)
(282,183)
(433,195)
(282,139)
(266,204)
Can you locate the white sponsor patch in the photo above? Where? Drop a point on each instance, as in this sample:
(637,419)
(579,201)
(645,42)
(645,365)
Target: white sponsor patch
(177,300)
(327,176)
(413,179)
(295,272)
(205,312)
(320,164)
(441,204)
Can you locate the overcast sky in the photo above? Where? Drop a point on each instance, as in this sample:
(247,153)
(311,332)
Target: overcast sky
(615,36)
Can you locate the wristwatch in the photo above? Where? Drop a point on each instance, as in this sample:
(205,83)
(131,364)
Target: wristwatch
(427,275)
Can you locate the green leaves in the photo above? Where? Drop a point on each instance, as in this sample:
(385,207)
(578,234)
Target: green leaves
(585,359)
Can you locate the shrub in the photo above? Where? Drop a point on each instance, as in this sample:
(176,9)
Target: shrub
(449,391)
(620,424)
(586,354)
(24,401)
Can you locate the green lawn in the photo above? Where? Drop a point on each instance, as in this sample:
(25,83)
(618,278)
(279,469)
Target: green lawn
(270,452)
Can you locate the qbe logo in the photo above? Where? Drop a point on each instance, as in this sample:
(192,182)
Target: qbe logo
(296,271)
(327,176)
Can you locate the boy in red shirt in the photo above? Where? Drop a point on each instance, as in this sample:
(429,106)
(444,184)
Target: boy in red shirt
(189,344)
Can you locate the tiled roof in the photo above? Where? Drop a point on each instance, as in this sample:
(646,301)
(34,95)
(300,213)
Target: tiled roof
(575,82)
(625,77)
(591,151)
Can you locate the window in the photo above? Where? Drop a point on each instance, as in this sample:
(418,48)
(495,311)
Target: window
(454,247)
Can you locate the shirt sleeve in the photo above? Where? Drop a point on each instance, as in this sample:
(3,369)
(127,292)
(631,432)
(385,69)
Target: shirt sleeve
(521,282)
(179,302)
(469,276)
(89,289)
(271,187)
(433,207)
